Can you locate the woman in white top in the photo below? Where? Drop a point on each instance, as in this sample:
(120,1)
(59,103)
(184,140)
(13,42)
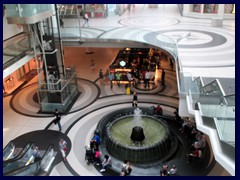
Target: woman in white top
(106,163)
(63,148)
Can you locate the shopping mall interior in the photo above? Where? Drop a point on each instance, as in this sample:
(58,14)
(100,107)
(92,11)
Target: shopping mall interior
(106,68)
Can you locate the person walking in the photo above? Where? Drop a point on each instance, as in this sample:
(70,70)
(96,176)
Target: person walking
(163,77)
(129,8)
(57,120)
(61,22)
(85,17)
(135,100)
(63,148)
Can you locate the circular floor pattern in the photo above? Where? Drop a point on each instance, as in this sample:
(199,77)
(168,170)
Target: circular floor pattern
(28,105)
(149,21)
(189,38)
(85,126)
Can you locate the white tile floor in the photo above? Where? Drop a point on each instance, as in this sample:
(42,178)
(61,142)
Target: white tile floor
(192,60)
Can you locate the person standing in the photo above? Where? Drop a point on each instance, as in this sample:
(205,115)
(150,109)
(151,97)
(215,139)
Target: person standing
(173,171)
(101,76)
(97,155)
(93,65)
(126,168)
(106,78)
(163,171)
(97,139)
(111,78)
(129,76)
(85,17)
(118,78)
(163,77)
(135,99)
(158,110)
(63,148)
(57,120)
(171,64)
(36,154)
(147,79)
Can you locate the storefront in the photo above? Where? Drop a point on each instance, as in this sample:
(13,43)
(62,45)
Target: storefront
(19,77)
(224,11)
(93,10)
(134,61)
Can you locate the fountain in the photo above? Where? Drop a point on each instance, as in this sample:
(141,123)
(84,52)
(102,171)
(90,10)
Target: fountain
(138,138)
(137,134)
(137,131)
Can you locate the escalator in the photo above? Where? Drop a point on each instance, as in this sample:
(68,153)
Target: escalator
(28,165)
(11,151)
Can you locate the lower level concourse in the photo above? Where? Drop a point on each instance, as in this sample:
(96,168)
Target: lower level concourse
(101,104)
(95,101)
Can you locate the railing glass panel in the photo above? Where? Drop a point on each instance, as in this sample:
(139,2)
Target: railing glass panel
(15,164)
(27,10)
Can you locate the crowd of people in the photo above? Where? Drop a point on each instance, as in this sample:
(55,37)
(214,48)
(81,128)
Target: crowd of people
(197,138)
(141,69)
(93,154)
(172,172)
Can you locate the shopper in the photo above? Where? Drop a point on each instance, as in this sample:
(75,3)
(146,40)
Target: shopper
(58,119)
(135,100)
(85,17)
(163,77)
(63,148)
(107,162)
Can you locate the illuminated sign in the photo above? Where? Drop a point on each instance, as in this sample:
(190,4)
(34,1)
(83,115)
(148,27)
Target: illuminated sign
(122,63)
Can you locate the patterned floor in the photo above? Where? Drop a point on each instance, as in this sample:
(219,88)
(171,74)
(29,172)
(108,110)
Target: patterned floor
(197,50)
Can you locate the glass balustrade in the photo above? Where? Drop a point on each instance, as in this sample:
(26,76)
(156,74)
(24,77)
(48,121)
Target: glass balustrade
(214,104)
(60,94)
(26,10)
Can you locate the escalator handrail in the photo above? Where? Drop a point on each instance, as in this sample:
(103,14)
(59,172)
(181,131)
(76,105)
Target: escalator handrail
(11,142)
(31,164)
(19,154)
(20,157)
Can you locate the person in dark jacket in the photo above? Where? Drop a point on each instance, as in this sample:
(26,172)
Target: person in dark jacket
(135,100)
(58,119)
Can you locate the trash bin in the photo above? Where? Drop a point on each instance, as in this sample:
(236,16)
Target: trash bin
(128,90)
(217,22)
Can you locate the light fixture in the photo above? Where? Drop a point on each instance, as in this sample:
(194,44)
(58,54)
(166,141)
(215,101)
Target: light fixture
(122,63)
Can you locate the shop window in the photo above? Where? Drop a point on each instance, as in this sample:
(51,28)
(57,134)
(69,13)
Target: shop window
(211,8)
(229,8)
(196,8)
